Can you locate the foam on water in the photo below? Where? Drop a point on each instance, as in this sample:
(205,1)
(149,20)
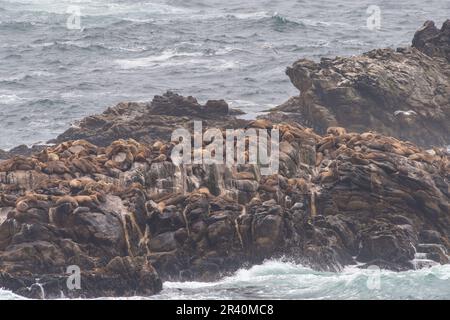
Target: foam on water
(284,280)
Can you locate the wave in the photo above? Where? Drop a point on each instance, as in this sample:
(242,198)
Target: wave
(25,76)
(154,60)
(174,58)
(14,26)
(6,99)
(282,20)
(8,295)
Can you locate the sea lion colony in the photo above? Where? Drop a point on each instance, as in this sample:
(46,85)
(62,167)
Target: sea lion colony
(127,208)
(114,204)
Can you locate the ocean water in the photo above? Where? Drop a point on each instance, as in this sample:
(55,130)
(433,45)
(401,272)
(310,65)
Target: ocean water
(52,75)
(285,280)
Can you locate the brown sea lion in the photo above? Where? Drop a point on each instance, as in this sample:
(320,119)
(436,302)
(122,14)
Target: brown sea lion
(336,131)
(260,124)
(55,167)
(160,158)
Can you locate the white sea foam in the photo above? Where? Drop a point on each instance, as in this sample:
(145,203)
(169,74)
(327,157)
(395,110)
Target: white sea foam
(22,76)
(174,58)
(154,60)
(6,99)
(284,280)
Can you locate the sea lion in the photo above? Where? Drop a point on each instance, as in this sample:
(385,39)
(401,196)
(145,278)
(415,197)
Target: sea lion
(255,201)
(327,143)
(244,176)
(19,163)
(319,158)
(203,190)
(423,157)
(80,183)
(91,201)
(7,200)
(160,158)
(289,137)
(66,199)
(260,124)
(84,165)
(267,188)
(55,167)
(367,136)
(29,201)
(175,200)
(101,159)
(53,157)
(299,183)
(83,148)
(163,149)
(328,174)
(157,145)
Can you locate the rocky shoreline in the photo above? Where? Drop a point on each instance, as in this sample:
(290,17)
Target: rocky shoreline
(107,197)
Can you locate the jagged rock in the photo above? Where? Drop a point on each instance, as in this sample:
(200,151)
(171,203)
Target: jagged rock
(163,242)
(403,93)
(432,41)
(435,252)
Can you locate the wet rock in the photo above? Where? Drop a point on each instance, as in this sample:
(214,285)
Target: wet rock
(435,252)
(267,233)
(387,246)
(432,41)
(163,242)
(430,236)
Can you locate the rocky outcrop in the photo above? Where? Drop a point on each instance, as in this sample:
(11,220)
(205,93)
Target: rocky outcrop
(128,217)
(403,93)
(146,122)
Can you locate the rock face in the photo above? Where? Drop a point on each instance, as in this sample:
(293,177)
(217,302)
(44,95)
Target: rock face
(403,93)
(128,217)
